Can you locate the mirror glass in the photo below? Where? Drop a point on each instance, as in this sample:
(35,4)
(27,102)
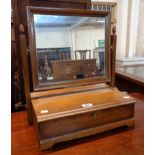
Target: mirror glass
(69,47)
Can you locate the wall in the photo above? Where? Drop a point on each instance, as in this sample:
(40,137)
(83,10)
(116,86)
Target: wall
(130,37)
(140,35)
(86,37)
(128,32)
(48,37)
(81,38)
(104,1)
(122,15)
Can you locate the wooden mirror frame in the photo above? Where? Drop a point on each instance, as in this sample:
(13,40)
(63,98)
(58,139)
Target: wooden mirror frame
(74,12)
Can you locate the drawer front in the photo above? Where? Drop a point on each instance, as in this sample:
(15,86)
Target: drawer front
(70,124)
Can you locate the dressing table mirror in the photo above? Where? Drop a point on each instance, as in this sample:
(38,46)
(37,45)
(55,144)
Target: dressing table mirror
(72,65)
(68,47)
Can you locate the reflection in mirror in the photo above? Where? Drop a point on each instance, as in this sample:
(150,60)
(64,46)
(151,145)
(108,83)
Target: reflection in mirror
(69,47)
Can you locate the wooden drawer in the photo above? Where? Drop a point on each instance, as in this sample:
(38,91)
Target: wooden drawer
(110,109)
(74,123)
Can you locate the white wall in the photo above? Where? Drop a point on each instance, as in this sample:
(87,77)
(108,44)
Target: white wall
(47,37)
(122,16)
(127,28)
(104,1)
(86,37)
(81,38)
(140,35)
(130,35)
(133,31)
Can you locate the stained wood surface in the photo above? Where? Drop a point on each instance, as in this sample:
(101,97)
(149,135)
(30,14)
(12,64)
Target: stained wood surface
(25,72)
(121,141)
(113,56)
(75,67)
(71,104)
(65,117)
(68,90)
(126,73)
(89,123)
(19,16)
(130,78)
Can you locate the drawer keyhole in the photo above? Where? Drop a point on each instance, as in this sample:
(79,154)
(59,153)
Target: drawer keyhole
(93,115)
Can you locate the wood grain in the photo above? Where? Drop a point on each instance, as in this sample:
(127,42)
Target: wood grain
(125,81)
(121,141)
(109,107)
(130,77)
(69,70)
(25,72)
(19,17)
(58,106)
(113,56)
(68,90)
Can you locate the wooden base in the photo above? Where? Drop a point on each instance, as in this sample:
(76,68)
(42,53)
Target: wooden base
(48,143)
(66,118)
(122,140)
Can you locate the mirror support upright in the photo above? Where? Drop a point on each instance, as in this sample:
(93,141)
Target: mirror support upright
(24,53)
(113,55)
